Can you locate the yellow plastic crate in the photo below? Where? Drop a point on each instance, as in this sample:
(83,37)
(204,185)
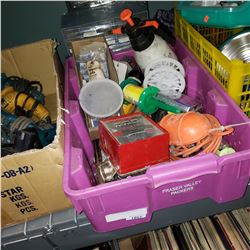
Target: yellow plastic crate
(234,76)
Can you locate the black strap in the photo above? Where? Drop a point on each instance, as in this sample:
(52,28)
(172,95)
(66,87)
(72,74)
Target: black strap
(34,106)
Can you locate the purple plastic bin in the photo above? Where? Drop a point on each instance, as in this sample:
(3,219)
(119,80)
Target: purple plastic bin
(120,55)
(131,201)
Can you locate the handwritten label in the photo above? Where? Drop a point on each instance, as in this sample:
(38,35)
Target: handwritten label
(127,215)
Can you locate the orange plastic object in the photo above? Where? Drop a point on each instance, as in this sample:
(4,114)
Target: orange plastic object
(190,133)
(126,16)
(151,23)
(191,127)
(117,31)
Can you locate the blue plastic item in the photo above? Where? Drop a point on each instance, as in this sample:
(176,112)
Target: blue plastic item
(46,132)
(225,14)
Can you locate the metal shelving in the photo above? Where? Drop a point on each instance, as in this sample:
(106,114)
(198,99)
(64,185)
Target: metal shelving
(67,230)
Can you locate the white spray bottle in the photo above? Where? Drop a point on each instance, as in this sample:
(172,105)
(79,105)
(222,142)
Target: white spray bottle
(148,46)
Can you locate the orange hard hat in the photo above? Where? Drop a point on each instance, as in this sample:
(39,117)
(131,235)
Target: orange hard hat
(190,133)
(186,128)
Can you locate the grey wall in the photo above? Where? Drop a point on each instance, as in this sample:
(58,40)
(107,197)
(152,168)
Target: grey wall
(155,5)
(28,21)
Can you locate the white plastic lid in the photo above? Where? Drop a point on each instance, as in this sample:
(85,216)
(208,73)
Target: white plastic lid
(101,98)
(165,61)
(169,81)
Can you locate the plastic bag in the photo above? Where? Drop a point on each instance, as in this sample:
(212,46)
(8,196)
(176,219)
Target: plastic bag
(92,62)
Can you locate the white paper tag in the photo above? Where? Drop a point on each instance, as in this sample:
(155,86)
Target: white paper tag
(127,215)
(121,69)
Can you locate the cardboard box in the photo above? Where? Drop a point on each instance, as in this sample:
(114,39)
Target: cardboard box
(32,180)
(76,48)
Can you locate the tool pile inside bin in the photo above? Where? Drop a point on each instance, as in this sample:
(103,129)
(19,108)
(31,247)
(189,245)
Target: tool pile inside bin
(149,118)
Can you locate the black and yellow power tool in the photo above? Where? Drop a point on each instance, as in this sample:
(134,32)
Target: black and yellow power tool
(21,103)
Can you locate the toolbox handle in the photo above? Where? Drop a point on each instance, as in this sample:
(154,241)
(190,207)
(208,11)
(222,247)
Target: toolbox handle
(174,171)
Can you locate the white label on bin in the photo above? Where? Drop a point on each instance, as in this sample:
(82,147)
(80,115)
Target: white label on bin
(127,215)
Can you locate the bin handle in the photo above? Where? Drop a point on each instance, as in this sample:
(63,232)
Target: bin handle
(174,171)
(83,135)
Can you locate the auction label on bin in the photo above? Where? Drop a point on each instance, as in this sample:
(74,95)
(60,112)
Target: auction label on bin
(127,215)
